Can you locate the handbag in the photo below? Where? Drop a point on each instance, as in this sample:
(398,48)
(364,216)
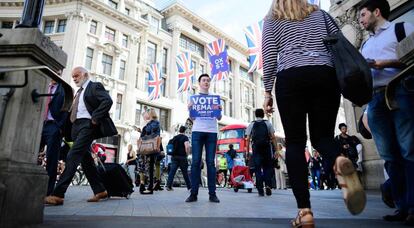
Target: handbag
(352,70)
(149,144)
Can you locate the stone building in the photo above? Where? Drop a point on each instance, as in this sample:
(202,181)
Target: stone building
(346,14)
(117,40)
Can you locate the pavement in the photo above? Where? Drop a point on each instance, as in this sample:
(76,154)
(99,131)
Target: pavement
(241,209)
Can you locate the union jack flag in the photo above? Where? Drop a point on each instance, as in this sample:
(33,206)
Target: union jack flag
(217,54)
(185,72)
(254,44)
(154,82)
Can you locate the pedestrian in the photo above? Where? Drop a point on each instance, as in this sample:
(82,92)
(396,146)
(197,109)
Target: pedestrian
(204,135)
(392,130)
(294,52)
(280,167)
(91,120)
(315,164)
(222,170)
(53,124)
(131,163)
(181,150)
(351,146)
(261,134)
(230,155)
(147,162)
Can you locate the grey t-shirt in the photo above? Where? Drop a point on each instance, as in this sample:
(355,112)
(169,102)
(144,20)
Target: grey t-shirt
(269,125)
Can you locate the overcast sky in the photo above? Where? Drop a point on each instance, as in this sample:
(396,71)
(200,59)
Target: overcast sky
(232,16)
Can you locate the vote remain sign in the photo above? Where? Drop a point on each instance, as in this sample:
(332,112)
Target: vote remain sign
(205,106)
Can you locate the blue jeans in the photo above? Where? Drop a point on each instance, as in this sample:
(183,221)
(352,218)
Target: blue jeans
(316,178)
(183,164)
(209,142)
(393,133)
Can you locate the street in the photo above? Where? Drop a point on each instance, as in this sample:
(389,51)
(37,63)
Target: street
(168,209)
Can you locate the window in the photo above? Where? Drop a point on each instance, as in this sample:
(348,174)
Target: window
(122,70)
(189,44)
(113,4)
(127,11)
(224,104)
(163,115)
(151,53)
(118,107)
(61,25)
(202,69)
(110,34)
(139,51)
(164,82)
(136,78)
(106,64)
(124,40)
(230,93)
(93,27)
(194,69)
(164,60)
(49,27)
(247,115)
(89,58)
(196,29)
(154,24)
(7,24)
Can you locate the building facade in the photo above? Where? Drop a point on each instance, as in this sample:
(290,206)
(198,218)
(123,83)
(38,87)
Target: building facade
(346,14)
(117,40)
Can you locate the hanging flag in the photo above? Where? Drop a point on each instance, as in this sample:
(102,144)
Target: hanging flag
(254,44)
(219,64)
(185,72)
(154,82)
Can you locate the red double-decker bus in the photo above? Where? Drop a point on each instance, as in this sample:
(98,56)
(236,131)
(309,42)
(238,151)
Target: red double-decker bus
(232,134)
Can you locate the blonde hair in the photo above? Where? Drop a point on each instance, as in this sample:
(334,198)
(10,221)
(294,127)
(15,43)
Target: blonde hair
(292,10)
(153,115)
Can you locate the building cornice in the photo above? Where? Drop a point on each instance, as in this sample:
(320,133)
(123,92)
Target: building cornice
(179,9)
(18,3)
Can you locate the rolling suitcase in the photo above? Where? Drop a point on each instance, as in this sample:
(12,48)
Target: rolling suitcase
(115,179)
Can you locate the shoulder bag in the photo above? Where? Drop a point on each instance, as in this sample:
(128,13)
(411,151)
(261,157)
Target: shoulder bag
(149,144)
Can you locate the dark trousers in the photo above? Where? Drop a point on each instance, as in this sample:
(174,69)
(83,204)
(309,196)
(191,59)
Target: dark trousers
(262,157)
(151,166)
(52,138)
(182,163)
(312,92)
(80,153)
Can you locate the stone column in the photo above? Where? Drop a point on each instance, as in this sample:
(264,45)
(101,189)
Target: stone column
(22,182)
(173,67)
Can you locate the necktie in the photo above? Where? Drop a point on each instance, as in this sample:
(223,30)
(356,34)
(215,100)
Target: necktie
(75,104)
(49,99)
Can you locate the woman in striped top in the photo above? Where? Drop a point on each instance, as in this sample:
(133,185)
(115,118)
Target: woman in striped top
(306,85)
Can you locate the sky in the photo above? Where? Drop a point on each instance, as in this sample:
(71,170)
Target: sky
(232,16)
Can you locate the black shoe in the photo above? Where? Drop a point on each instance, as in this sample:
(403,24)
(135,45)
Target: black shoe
(214,199)
(191,198)
(268,191)
(397,216)
(157,186)
(386,196)
(148,192)
(409,221)
(260,191)
(141,188)
(170,189)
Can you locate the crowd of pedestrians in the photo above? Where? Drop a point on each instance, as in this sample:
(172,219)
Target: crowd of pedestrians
(294,53)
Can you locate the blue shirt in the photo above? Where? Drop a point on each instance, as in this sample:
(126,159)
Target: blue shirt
(382,45)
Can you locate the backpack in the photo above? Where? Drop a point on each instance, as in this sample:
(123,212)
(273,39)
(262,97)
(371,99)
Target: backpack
(399,31)
(171,146)
(260,134)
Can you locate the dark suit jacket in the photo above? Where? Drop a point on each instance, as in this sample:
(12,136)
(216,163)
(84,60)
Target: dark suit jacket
(98,103)
(55,106)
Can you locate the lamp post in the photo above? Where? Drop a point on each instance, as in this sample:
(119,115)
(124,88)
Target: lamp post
(32,14)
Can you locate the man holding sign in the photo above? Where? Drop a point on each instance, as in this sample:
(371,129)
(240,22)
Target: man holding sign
(205,110)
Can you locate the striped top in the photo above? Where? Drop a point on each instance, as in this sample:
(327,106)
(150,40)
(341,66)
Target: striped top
(287,44)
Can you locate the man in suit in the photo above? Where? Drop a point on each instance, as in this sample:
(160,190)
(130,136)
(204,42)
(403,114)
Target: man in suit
(53,122)
(90,118)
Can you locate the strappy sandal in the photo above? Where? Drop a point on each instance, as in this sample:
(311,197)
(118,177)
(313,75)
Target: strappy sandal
(353,192)
(304,219)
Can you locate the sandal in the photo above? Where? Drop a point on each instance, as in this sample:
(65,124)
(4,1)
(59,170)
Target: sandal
(348,180)
(304,219)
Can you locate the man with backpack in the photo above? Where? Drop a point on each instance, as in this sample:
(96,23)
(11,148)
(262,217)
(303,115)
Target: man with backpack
(261,134)
(180,150)
(392,130)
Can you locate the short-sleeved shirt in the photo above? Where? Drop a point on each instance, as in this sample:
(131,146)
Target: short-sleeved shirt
(382,45)
(205,124)
(179,143)
(269,125)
